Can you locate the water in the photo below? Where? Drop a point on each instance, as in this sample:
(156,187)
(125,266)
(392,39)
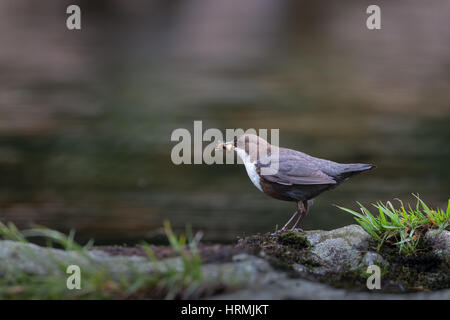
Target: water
(86,117)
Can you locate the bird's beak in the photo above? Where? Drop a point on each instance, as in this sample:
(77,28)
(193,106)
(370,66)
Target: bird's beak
(225,145)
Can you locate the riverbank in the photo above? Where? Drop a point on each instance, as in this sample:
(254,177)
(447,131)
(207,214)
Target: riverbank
(292,265)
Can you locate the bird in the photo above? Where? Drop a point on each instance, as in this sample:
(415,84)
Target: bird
(299,177)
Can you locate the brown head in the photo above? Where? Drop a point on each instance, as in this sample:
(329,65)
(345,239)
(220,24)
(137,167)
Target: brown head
(253,146)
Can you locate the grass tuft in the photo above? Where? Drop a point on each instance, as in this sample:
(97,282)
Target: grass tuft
(403,227)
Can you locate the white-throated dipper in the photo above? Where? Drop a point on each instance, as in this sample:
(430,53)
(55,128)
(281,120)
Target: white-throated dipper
(298,177)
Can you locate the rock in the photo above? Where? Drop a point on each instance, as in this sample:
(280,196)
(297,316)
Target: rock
(245,271)
(440,242)
(240,257)
(339,248)
(259,281)
(296,289)
(35,260)
(373,258)
(318,251)
(293,265)
(353,233)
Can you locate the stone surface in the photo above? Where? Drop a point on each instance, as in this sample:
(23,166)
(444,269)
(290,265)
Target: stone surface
(253,275)
(339,248)
(267,283)
(440,241)
(373,258)
(35,260)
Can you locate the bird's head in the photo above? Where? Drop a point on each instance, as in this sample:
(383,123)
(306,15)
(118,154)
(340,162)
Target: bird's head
(251,144)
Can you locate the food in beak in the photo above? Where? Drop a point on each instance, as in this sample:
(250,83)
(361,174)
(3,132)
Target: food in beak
(224,145)
(220,146)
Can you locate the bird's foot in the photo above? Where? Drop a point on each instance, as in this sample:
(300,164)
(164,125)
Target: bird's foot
(282,230)
(290,230)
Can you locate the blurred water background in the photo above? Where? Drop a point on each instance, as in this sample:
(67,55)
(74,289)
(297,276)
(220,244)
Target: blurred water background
(86,116)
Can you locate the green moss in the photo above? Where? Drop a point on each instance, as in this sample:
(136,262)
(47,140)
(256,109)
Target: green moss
(309,263)
(293,240)
(280,264)
(423,271)
(283,249)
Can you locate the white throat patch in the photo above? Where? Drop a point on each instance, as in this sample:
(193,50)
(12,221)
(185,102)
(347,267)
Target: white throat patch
(250,167)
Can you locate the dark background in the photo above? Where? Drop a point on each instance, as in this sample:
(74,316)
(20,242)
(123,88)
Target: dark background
(86,116)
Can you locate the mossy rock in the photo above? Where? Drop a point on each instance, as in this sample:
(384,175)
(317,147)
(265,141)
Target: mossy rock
(294,240)
(282,249)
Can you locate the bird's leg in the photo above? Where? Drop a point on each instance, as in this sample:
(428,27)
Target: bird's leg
(289,222)
(299,219)
(303,210)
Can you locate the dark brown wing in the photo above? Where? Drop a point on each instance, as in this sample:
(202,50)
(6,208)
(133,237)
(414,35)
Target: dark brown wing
(293,170)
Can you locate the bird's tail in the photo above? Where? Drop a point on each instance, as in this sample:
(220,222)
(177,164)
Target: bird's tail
(351,169)
(357,167)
